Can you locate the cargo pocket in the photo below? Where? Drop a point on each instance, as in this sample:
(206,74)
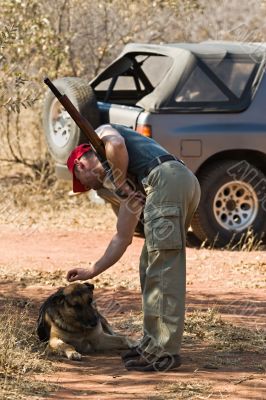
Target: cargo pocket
(162,228)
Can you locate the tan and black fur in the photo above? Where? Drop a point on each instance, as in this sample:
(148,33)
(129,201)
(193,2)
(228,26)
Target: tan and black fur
(72,325)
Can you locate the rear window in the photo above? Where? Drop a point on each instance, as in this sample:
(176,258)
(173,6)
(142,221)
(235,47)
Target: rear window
(199,88)
(234,74)
(202,84)
(155,67)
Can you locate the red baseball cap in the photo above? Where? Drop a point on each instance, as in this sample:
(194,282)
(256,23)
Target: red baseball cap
(75,155)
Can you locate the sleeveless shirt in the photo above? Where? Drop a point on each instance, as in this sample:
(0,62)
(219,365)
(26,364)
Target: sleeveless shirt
(141,150)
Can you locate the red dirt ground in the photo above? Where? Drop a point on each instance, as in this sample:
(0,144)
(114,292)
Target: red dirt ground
(232,282)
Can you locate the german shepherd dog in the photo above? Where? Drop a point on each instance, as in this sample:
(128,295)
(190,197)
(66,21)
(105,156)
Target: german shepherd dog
(71,323)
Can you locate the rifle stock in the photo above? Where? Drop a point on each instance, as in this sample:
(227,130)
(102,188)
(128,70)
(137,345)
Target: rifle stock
(92,136)
(81,121)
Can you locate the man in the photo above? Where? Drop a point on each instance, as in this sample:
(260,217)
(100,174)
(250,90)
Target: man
(172,195)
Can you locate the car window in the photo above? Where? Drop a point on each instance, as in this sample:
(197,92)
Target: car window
(199,88)
(104,85)
(126,83)
(123,82)
(234,74)
(155,67)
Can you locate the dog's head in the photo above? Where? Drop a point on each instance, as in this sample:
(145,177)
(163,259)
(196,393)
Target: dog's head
(76,304)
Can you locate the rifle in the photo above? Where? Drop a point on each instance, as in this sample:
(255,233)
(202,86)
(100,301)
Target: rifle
(87,129)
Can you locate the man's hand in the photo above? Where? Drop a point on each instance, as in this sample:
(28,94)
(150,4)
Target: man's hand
(81,274)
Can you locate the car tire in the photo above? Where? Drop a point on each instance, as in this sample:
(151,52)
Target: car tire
(61,132)
(233,200)
(192,240)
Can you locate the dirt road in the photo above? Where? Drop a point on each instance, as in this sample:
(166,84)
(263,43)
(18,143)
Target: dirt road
(222,357)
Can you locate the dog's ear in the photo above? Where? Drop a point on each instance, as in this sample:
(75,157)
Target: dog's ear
(59,296)
(90,286)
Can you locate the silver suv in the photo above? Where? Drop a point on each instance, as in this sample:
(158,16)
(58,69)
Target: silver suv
(203,102)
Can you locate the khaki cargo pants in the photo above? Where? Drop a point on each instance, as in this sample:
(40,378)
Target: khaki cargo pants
(173,194)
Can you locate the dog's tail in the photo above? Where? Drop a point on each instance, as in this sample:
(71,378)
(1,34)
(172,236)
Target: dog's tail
(43,330)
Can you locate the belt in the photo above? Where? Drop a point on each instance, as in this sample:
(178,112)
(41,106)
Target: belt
(159,160)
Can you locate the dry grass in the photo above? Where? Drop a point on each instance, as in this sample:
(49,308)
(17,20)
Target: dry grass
(208,328)
(31,276)
(132,324)
(26,277)
(248,241)
(21,357)
(34,205)
(222,335)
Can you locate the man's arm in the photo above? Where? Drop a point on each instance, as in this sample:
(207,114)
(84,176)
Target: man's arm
(116,152)
(128,217)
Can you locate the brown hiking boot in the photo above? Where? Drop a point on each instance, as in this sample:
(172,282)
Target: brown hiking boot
(150,362)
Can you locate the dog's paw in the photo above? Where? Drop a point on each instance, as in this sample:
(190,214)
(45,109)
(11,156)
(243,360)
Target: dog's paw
(73,355)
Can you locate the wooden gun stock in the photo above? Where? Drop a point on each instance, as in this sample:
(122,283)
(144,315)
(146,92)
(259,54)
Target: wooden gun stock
(81,121)
(89,132)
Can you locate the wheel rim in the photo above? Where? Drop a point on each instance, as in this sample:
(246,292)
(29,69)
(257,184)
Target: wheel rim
(59,124)
(235,205)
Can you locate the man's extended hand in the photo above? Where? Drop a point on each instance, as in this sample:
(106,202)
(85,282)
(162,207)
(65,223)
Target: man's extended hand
(81,274)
